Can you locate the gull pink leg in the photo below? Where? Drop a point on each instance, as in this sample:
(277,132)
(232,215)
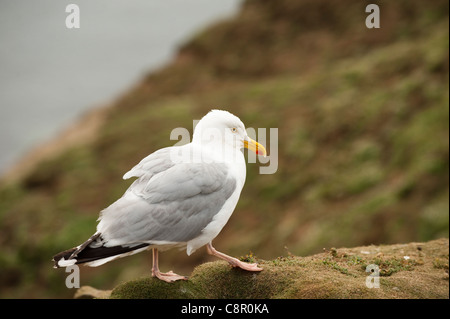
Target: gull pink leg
(233,261)
(168,276)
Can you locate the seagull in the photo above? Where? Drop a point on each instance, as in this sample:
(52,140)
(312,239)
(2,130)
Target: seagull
(183,196)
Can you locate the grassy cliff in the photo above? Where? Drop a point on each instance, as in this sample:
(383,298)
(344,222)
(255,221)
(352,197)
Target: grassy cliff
(362,118)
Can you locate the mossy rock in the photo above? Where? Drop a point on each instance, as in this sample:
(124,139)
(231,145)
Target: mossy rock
(406,271)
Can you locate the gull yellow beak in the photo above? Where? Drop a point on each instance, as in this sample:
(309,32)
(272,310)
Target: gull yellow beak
(255,147)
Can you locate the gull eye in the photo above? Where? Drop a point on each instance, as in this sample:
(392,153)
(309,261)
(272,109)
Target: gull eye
(234,130)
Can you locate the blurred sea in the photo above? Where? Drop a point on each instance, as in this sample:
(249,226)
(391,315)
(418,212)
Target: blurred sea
(50,75)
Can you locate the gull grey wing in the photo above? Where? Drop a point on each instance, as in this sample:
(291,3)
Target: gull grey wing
(173,206)
(152,164)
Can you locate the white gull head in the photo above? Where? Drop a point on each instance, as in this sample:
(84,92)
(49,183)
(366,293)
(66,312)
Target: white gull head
(221,130)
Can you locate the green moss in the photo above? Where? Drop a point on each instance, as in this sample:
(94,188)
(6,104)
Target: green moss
(210,280)
(152,288)
(441,263)
(249,258)
(343,276)
(390,266)
(336,266)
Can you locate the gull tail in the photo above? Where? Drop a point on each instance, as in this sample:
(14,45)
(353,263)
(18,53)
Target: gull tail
(93,252)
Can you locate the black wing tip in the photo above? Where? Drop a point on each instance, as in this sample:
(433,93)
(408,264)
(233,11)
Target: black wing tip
(72,253)
(63,256)
(86,254)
